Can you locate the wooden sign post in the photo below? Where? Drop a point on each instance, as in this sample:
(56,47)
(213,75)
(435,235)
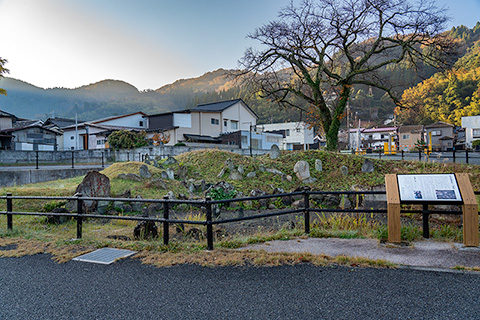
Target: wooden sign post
(432,189)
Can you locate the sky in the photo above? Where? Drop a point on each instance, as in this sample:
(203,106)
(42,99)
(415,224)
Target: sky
(147,43)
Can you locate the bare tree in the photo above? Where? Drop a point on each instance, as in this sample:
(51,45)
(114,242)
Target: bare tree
(2,71)
(320,49)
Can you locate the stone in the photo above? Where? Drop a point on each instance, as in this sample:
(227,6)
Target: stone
(137,206)
(289,178)
(225,186)
(278,190)
(170,174)
(274,152)
(145,230)
(164,175)
(103,206)
(222,172)
(182,172)
(154,209)
(302,169)
(298,204)
(155,164)
(125,194)
(147,159)
(241,169)
(261,168)
(130,176)
(170,195)
(95,184)
(58,219)
(170,160)
(275,171)
(368,166)
(229,164)
(318,165)
(309,180)
(252,174)
(144,172)
(344,170)
(235,175)
(158,184)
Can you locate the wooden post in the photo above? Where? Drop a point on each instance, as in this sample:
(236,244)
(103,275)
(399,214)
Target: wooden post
(470,211)
(393,208)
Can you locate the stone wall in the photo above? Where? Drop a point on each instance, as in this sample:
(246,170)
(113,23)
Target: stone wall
(109,155)
(20,177)
(55,157)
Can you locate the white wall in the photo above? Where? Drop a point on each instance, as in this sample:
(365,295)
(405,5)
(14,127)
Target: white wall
(298,133)
(132,121)
(470,123)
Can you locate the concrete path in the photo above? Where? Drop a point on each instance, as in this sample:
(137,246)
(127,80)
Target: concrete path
(419,254)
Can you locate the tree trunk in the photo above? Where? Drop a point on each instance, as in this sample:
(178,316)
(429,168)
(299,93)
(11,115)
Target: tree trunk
(332,133)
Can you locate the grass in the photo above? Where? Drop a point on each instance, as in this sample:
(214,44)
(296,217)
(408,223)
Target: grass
(34,235)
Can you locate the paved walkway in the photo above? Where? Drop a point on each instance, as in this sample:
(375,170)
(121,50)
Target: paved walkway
(419,254)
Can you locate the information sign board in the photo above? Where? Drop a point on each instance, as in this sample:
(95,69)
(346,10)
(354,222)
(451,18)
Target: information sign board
(428,188)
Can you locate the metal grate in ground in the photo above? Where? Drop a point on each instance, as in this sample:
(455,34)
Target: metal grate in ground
(104,255)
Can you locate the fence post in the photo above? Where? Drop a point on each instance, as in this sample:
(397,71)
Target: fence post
(9,209)
(426,229)
(402,153)
(79,212)
(165,223)
(419,155)
(128,156)
(103,164)
(208,204)
(466,156)
(453,155)
(306,197)
(139,157)
(73,158)
(36,159)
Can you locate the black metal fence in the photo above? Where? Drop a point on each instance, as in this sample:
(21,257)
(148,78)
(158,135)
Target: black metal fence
(455,156)
(207,204)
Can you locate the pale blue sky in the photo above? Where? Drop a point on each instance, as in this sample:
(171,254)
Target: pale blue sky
(148,43)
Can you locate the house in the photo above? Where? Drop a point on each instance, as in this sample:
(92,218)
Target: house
(94,134)
(440,135)
(296,135)
(373,138)
(33,137)
(472,129)
(204,123)
(58,124)
(254,138)
(409,135)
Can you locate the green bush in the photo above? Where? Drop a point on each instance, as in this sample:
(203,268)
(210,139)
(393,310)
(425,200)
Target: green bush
(475,143)
(124,139)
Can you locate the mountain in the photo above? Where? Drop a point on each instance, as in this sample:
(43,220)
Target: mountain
(113,97)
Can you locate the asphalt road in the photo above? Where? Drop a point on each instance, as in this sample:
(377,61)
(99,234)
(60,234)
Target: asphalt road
(37,288)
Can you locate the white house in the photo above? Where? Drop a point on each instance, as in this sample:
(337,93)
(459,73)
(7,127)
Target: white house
(296,135)
(205,122)
(472,129)
(93,134)
(373,138)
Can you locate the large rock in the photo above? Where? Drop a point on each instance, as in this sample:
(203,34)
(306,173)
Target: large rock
(302,170)
(169,161)
(182,172)
(318,165)
(344,170)
(235,175)
(94,184)
(274,152)
(170,174)
(145,230)
(144,172)
(368,166)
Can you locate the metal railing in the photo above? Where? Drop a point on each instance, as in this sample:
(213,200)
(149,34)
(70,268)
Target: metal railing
(208,203)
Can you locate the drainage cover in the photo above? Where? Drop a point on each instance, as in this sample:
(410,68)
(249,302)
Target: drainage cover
(105,255)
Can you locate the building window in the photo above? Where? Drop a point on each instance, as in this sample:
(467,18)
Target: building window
(225,123)
(436,132)
(214,121)
(101,142)
(244,139)
(287,132)
(297,129)
(140,123)
(234,125)
(72,137)
(406,137)
(476,133)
